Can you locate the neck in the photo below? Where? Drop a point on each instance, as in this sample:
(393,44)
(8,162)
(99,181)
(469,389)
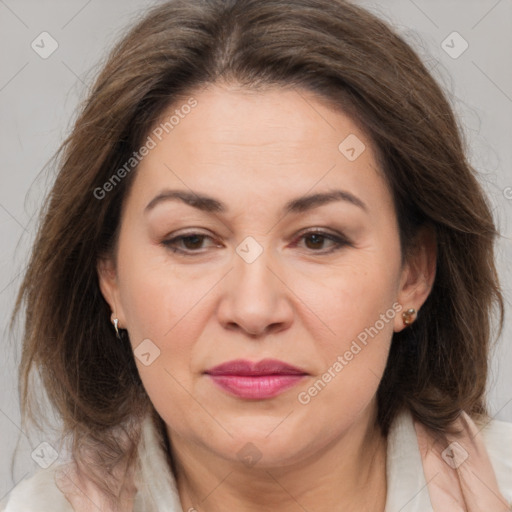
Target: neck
(337,477)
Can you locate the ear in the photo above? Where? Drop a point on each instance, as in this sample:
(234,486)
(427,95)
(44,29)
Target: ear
(108,281)
(418,273)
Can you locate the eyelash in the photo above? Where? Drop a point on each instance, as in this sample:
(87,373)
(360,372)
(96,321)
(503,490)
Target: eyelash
(339,242)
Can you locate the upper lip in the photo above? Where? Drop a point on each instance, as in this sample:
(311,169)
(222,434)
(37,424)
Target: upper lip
(249,368)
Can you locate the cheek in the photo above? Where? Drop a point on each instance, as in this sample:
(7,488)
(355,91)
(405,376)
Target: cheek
(356,310)
(156,294)
(163,311)
(170,316)
(350,297)
(354,360)
(173,321)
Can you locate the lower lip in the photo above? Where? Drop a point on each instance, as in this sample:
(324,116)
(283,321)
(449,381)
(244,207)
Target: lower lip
(256,387)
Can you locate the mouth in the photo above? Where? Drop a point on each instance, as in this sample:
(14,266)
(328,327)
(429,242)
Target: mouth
(256,381)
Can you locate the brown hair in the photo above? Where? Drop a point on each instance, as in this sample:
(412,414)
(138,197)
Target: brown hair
(345,55)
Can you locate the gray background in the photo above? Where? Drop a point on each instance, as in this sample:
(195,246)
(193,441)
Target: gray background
(38,98)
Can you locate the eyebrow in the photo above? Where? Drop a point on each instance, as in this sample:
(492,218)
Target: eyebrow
(211,205)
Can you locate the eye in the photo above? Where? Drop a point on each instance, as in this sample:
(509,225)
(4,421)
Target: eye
(191,244)
(315,239)
(187,243)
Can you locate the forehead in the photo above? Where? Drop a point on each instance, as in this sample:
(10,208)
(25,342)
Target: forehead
(279,119)
(258,144)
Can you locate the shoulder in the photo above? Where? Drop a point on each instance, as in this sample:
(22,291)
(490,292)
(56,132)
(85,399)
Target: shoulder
(497,436)
(37,493)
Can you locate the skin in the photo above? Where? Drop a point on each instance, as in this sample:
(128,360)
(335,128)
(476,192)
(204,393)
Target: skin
(297,302)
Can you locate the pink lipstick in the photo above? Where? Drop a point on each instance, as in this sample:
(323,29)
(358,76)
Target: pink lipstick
(256,381)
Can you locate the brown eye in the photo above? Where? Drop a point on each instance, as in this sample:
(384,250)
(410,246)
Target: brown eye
(187,244)
(315,240)
(192,241)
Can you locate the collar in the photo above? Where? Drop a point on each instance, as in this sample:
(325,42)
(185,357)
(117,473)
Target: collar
(406,484)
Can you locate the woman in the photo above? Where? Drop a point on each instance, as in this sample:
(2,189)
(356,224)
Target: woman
(264,279)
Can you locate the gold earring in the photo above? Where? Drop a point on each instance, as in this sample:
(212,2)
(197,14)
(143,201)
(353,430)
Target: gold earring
(407,316)
(115,321)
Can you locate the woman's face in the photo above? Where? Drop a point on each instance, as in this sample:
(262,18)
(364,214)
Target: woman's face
(218,264)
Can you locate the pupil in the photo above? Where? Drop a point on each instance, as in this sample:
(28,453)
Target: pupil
(196,240)
(316,238)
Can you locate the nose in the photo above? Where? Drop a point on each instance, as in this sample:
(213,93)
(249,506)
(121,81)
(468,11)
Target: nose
(256,299)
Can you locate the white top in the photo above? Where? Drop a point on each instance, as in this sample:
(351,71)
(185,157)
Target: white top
(406,492)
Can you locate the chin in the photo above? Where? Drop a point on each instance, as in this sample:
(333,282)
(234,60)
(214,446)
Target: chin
(267,442)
